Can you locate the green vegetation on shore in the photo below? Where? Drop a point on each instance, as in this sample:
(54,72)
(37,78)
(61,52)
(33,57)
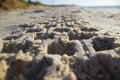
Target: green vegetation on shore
(17,4)
(34,3)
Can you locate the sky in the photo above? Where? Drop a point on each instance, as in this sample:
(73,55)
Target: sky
(82,2)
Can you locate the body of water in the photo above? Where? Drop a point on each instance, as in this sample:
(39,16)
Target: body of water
(104,7)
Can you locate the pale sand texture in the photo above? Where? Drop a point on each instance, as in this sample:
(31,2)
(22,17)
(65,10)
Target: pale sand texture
(62,43)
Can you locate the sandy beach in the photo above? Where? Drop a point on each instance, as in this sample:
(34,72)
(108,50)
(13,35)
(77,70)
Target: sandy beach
(60,43)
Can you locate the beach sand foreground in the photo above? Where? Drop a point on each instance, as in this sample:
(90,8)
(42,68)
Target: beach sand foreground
(62,43)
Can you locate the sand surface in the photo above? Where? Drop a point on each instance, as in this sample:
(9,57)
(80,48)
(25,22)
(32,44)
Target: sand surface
(62,43)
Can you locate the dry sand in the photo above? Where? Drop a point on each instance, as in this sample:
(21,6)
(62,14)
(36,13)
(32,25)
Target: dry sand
(63,43)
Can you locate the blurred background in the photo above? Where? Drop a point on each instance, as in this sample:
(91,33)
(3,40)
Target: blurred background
(18,4)
(25,4)
(82,2)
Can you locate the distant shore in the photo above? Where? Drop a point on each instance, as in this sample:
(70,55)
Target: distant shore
(14,5)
